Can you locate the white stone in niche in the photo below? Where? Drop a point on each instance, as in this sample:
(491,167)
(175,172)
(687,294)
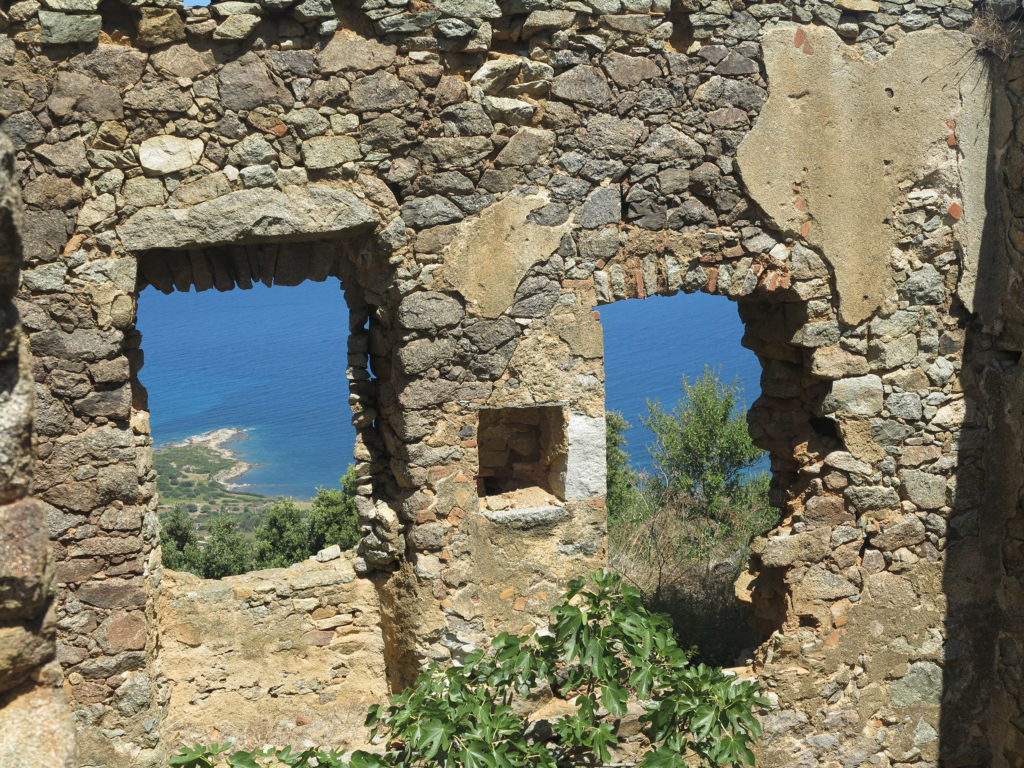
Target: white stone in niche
(585,474)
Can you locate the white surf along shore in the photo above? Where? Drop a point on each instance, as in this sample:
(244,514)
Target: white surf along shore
(220,441)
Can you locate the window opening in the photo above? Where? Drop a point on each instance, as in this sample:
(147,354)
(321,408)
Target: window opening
(674,532)
(248,398)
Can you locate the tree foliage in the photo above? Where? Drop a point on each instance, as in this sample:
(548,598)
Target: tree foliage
(332,516)
(622,481)
(702,449)
(179,541)
(282,535)
(285,535)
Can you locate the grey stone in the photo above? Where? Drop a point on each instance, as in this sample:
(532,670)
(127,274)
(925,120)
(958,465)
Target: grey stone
(926,490)
(821,584)
(497,74)
(248,216)
(469,9)
(246,84)
(892,354)
(429,311)
(867,498)
(252,150)
(423,212)
(509,111)
(551,215)
(23,129)
(321,152)
(485,335)
(610,136)
(160,96)
(630,71)
(584,85)
(380,91)
(237,26)
(44,278)
(423,354)
(925,286)
(427,537)
(904,405)
(332,552)
(535,297)
(313,10)
(83,344)
(817,334)
(67,157)
(906,532)
(860,395)
(454,153)
(586,469)
(142,191)
(60,28)
(307,122)
(526,147)
(454,28)
(921,683)
(134,694)
(348,52)
(542,20)
(467,119)
(526,519)
(785,551)
(603,206)
(258,176)
(667,143)
(167,154)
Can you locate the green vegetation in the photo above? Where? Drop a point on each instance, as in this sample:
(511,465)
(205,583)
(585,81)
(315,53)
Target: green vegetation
(603,649)
(681,535)
(185,475)
(284,534)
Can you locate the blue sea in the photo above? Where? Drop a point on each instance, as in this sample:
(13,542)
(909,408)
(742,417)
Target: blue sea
(273,362)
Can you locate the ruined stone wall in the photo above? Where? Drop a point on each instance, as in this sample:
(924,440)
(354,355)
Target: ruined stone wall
(480,175)
(35,721)
(284,656)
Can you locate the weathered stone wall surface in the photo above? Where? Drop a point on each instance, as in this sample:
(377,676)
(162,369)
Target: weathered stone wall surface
(283,656)
(480,175)
(35,722)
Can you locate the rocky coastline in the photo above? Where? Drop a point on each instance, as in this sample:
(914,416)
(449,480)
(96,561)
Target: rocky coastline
(220,441)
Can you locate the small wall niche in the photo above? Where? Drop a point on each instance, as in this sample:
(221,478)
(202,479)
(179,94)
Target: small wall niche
(523,456)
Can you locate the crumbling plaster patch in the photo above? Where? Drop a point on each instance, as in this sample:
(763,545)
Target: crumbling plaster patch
(839,135)
(491,255)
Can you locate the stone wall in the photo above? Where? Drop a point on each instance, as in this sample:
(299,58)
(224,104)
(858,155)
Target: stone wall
(35,721)
(480,175)
(284,656)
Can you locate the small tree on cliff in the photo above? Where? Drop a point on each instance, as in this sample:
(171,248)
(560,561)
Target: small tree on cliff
(702,449)
(282,536)
(332,516)
(226,551)
(179,541)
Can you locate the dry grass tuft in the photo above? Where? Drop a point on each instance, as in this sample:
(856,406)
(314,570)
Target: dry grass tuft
(996,35)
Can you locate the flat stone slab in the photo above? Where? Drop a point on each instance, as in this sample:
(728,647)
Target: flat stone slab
(249,215)
(530,517)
